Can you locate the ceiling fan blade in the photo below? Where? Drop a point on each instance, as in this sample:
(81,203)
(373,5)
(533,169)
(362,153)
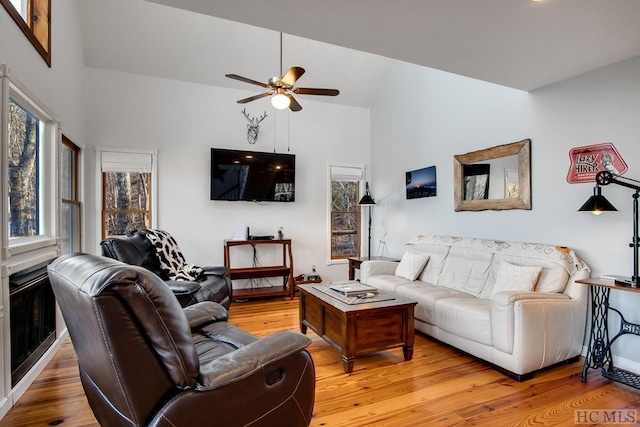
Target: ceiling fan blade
(253,98)
(246,80)
(315,91)
(293,105)
(292,75)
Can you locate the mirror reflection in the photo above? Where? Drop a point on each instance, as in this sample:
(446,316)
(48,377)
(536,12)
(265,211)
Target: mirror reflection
(496,178)
(491,179)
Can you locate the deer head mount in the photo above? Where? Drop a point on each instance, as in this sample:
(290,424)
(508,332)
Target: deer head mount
(253,128)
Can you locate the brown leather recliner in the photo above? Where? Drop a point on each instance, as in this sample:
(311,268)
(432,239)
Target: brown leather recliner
(135,249)
(144,360)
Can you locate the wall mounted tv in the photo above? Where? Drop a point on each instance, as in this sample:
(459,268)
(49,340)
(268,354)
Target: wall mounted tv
(252,176)
(421,183)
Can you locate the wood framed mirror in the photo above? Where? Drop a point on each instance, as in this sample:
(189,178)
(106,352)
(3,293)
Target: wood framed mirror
(495,178)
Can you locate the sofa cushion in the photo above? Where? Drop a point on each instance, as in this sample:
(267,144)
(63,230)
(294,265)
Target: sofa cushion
(411,264)
(466,317)
(387,283)
(427,295)
(512,277)
(466,270)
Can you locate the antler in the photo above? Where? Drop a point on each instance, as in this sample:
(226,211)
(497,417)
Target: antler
(254,121)
(262,117)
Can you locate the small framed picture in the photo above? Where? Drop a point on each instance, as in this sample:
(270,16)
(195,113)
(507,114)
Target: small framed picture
(421,183)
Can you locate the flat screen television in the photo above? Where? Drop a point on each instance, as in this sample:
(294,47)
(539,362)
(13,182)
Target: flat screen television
(252,176)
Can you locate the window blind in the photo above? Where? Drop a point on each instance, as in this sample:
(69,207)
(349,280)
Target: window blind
(113,161)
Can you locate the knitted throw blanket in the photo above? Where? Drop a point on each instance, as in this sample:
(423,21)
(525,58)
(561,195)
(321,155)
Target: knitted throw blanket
(171,259)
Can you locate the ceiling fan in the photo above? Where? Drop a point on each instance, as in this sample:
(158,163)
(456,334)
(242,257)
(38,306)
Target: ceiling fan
(281,88)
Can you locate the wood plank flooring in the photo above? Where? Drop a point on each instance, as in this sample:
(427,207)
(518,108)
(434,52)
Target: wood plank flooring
(439,387)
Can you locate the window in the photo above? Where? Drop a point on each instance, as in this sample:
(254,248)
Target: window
(34,19)
(24,171)
(70,219)
(127,199)
(28,138)
(344,212)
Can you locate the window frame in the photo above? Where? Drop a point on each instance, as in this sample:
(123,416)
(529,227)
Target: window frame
(353,173)
(32,28)
(48,179)
(100,230)
(75,187)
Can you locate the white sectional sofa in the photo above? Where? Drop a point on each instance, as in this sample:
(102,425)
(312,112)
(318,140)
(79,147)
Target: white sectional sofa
(485,298)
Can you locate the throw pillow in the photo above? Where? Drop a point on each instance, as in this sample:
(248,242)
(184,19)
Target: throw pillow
(172,261)
(411,265)
(511,277)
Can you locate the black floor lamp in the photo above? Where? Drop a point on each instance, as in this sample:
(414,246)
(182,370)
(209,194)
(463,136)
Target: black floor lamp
(598,204)
(367,200)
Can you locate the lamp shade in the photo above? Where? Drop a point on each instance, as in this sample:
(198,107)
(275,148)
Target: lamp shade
(366,200)
(280,100)
(597,203)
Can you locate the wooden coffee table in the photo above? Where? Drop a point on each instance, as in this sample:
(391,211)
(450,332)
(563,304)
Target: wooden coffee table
(357,329)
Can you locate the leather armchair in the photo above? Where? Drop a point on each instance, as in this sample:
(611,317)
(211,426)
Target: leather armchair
(135,249)
(144,360)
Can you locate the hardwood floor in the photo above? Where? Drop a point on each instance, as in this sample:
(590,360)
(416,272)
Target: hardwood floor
(440,386)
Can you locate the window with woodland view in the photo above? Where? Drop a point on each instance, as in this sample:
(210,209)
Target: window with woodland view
(345,219)
(25,135)
(70,209)
(126,202)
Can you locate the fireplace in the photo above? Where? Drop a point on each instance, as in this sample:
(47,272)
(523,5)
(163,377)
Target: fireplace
(32,318)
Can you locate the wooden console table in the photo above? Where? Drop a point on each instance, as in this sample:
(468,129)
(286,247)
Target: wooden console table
(599,349)
(257,272)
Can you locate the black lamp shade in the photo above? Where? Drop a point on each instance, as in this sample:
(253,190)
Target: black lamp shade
(367,200)
(597,203)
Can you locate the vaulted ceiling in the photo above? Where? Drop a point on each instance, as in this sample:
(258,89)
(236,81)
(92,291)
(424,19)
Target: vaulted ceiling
(349,44)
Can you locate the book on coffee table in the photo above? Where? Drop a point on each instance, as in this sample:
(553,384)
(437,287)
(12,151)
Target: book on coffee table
(352,289)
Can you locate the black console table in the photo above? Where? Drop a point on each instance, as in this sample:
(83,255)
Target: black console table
(599,349)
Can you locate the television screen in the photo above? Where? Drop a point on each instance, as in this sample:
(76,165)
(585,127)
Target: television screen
(421,183)
(252,176)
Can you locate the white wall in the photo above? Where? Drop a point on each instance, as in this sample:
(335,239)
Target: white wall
(183,121)
(59,88)
(427,116)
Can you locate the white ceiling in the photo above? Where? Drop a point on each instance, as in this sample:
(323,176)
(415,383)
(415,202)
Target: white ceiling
(515,43)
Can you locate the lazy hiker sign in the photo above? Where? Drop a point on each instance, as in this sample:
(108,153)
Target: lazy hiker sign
(587,161)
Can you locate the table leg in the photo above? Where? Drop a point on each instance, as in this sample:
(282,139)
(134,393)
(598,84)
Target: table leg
(407,351)
(347,363)
(598,350)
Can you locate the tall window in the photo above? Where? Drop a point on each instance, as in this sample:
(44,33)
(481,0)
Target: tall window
(34,19)
(70,219)
(344,222)
(25,206)
(28,137)
(126,192)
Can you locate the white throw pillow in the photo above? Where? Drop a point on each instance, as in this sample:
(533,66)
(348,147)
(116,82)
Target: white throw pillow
(411,265)
(511,277)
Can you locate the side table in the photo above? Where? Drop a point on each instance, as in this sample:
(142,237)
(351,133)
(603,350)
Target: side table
(355,263)
(599,348)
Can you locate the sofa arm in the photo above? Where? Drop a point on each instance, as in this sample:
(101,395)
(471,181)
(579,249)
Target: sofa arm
(376,268)
(182,287)
(505,308)
(250,359)
(216,270)
(202,313)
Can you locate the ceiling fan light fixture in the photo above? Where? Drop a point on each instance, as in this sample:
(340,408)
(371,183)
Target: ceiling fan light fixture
(280,101)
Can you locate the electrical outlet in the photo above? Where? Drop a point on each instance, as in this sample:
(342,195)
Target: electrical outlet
(313,268)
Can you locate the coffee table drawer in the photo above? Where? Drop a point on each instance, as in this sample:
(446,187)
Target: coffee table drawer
(381,330)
